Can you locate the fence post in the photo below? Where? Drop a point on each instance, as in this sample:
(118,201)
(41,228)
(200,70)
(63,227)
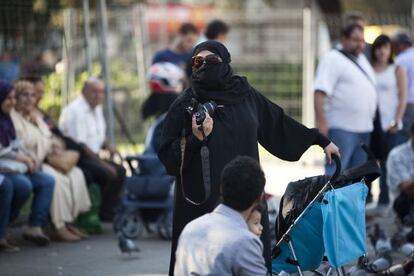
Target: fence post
(68,85)
(308,64)
(140,43)
(307,67)
(103,18)
(412,18)
(87,33)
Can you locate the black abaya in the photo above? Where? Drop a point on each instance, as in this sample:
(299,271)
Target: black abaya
(237,129)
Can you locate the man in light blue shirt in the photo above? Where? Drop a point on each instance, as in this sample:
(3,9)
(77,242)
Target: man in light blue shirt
(400,176)
(402,46)
(220,243)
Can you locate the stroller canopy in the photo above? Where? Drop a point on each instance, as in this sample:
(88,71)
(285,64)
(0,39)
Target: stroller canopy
(333,225)
(300,193)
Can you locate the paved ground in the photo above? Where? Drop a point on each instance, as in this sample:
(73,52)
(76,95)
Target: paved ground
(100,255)
(96,256)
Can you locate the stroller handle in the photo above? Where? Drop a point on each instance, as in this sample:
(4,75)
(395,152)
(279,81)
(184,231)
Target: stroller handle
(337,167)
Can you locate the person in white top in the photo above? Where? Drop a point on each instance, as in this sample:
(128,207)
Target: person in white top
(345,97)
(83,121)
(404,56)
(391,84)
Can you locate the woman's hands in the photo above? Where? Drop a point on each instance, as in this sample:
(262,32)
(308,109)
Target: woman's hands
(330,150)
(394,126)
(207,127)
(29,162)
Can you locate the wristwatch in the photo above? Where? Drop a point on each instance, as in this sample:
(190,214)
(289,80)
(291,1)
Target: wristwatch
(394,123)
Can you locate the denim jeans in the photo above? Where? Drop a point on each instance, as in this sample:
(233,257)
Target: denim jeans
(42,186)
(6,195)
(349,144)
(408,120)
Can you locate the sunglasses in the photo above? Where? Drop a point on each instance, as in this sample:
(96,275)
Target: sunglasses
(197,61)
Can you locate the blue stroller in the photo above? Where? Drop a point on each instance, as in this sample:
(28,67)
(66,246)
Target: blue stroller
(323,217)
(148,194)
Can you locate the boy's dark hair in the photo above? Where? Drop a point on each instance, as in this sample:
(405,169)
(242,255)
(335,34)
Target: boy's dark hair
(32,79)
(216,28)
(187,28)
(348,30)
(242,183)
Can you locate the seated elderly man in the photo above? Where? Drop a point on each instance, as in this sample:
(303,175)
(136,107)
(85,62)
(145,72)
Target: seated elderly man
(400,178)
(83,121)
(220,243)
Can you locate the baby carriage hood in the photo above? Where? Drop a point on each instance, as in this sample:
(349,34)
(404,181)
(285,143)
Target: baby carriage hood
(335,209)
(295,200)
(300,193)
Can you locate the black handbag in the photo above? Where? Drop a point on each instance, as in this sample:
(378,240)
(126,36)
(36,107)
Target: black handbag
(378,144)
(146,187)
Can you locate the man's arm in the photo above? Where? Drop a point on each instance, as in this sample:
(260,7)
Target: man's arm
(402,97)
(327,76)
(319,103)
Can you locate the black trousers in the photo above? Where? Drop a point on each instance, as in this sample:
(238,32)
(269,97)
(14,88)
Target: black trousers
(111,185)
(404,206)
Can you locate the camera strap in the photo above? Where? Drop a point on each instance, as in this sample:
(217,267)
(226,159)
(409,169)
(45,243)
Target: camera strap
(205,166)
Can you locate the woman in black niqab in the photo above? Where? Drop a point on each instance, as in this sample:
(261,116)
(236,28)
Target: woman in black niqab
(246,118)
(216,81)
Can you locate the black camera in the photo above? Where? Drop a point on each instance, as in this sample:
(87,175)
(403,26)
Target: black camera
(200,110)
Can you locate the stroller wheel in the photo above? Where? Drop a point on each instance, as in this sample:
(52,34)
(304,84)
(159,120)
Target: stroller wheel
(164,225)
(131,225)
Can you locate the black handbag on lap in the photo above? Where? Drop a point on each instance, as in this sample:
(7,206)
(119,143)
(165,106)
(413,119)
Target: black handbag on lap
(149,187)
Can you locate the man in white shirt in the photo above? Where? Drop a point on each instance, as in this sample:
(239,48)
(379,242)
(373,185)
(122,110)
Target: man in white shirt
(83,121)
(220,243)
(345,97)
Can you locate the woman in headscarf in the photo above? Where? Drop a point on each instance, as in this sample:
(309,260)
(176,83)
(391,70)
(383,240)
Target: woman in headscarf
(70,197)
(245,119)
(19,169)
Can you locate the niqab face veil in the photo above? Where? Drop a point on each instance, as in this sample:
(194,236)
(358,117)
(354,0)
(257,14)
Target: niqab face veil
(216,81)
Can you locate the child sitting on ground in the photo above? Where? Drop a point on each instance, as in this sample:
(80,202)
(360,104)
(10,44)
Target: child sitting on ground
(254,221)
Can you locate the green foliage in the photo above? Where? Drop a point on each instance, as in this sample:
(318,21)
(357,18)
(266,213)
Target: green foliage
(52,99)
(123,77)
(280,82)
(51,102)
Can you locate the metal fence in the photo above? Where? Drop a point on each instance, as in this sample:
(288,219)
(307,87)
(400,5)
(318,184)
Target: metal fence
(277,49)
